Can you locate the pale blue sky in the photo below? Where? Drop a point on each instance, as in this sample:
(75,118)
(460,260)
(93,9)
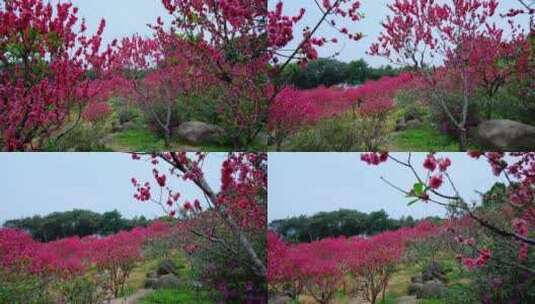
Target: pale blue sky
(123,17)
(40,183)
(375,12)
(307,183)
(127,17)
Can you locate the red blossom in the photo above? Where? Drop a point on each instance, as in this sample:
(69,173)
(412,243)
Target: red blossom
(37,97)
(435,181)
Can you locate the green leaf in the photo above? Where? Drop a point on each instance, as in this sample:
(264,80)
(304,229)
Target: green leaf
(412,202)
(418,189)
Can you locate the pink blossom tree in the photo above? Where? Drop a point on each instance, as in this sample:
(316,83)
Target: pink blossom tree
(44,70)
(517,210)
(421,32)
(239,205)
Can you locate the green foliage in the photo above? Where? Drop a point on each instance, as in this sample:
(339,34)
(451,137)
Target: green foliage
(80,290)
(84,137)
(509,104)
(329,134)
(409,104)
(138,139)
(141,138)
(337,223)
(156,114)
(224,266)
(424,138)
(343,133)
(123,111)
(329,72)
(200,108)
(357,72)
(177,296)
(59,225)
(22,289)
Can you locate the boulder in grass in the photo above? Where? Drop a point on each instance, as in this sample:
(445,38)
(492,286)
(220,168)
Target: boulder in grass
(415,288)
(413,123)
(434,271)
(401,124)
(151,275)
(167,267)
(167,281)
(432,290)
(150,283)
(505,135)
(279,300)
(197,132)
(416,279)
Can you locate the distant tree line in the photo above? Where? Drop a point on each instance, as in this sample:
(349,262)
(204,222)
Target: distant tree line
(343,222)
(77,222)
(329,72)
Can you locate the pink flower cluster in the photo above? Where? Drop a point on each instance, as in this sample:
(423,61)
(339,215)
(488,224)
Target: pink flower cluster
(73,256)
(322,265)
(36,97)
(243,177)
(280,28)
(293,109)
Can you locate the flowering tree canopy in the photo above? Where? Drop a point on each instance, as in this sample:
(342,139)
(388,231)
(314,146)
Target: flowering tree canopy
(45,67)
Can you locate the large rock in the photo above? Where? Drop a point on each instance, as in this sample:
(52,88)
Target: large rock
(263,139)
(431,290)
(279,300)
(506,135)
(197,132)
(152,275)
(416,279)
(167,281)
(415,288)
(166,267)
(150,283)
(413,123)
(401,124)
(434,271)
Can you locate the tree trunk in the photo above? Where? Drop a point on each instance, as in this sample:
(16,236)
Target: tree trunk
(278,145)
(462,139)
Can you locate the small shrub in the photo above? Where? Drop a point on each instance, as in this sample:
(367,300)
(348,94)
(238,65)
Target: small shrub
(80,290)
(409,102)
(201,108)
(20,288)
(123,110)
(84,137)
(156,115)
(347,132)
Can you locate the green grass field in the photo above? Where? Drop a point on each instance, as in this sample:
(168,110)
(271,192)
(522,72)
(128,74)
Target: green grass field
(424,138)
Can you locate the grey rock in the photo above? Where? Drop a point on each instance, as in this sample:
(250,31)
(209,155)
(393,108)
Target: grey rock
(401,124)
(167,281)
(197,132)
(505,135)
(432,290)
(152,275)
(128,125)
(279,300)
(434,271)
(150,283)
(415,288)
(417,279)
(166,267)
(108,139)
(197,284)
(263,139)
(413,123)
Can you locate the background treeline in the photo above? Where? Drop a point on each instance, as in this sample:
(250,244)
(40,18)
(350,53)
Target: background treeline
(343,222)
(329,72)
(77,222)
